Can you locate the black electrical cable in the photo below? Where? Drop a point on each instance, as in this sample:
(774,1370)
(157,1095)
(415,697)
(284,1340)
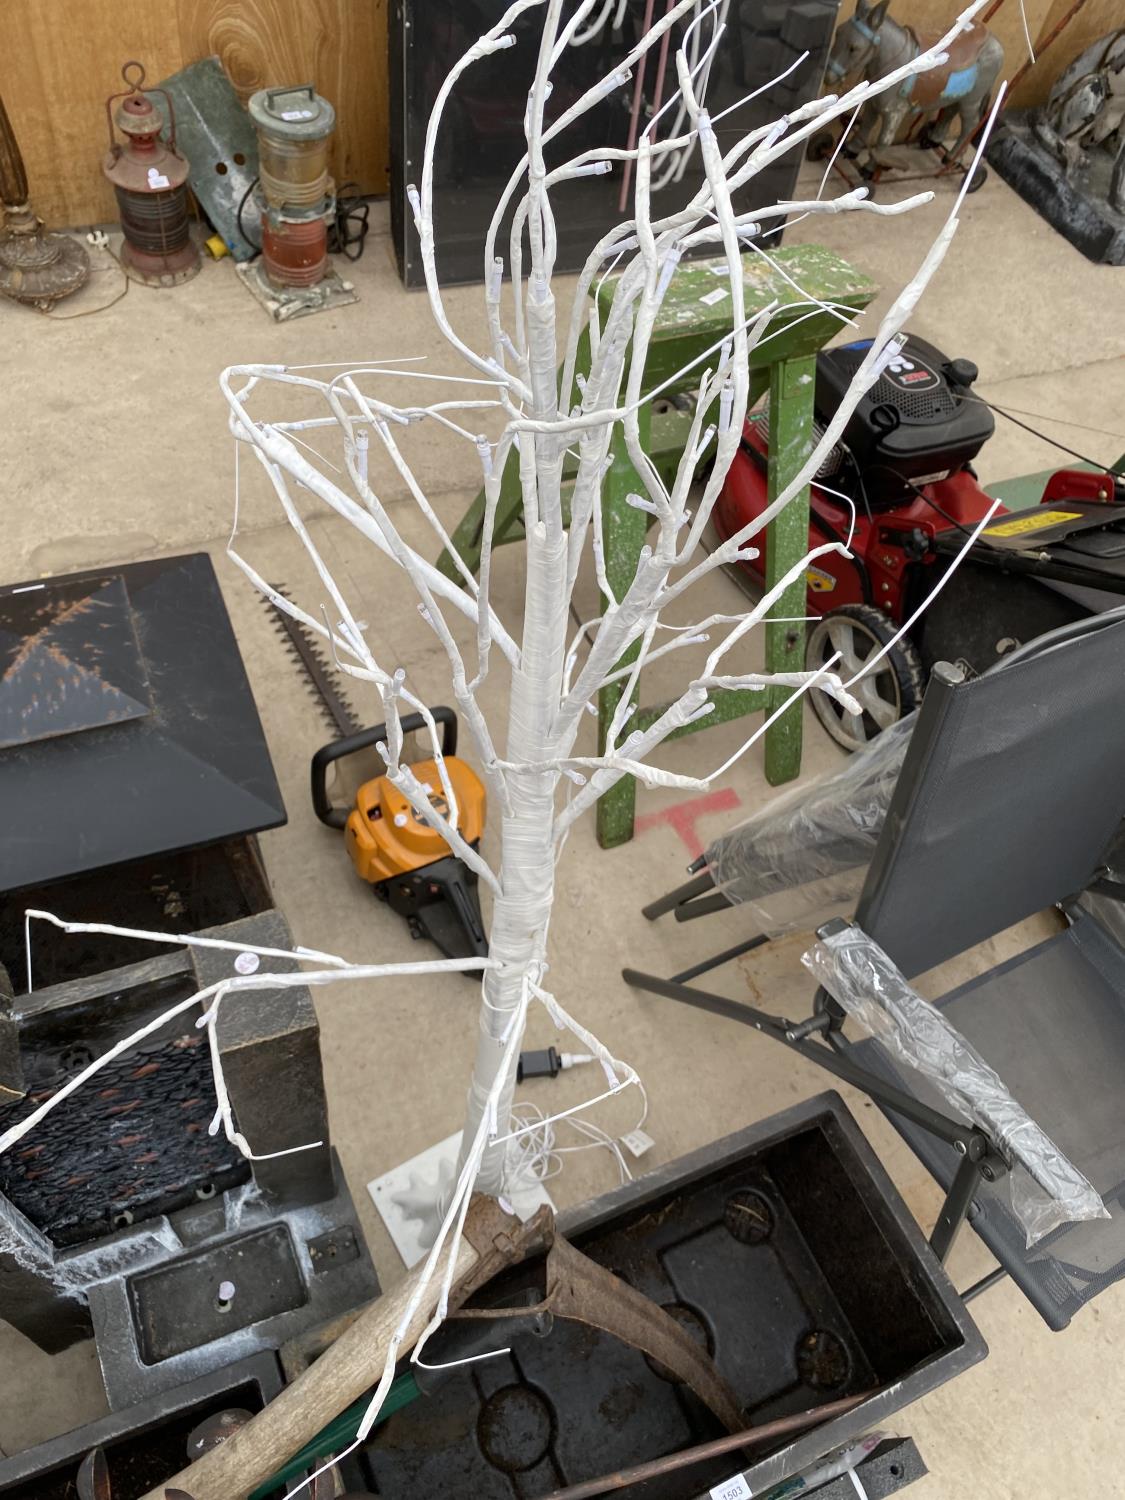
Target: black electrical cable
(238,216)
(1073,452)
(347,232)
(921,494)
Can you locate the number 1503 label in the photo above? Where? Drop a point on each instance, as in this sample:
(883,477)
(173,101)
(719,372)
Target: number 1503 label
(732,1489)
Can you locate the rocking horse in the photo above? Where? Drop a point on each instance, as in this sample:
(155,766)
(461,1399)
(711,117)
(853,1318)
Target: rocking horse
(870,45)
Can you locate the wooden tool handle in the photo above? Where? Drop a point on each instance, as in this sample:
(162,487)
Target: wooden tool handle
(340,1376)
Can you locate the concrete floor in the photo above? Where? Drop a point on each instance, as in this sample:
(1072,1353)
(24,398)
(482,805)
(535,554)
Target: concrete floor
(116,449)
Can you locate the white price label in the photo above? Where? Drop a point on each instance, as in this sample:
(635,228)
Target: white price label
(157,179)
(733,1489)
(298,114)
(638,1142)
(710,298)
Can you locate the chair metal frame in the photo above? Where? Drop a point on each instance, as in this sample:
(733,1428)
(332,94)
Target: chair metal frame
(819,1036)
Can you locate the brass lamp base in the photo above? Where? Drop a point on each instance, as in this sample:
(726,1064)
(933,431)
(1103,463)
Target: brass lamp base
(38,267)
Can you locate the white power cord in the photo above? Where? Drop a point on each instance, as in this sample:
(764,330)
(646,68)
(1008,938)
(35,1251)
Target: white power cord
(536,1156)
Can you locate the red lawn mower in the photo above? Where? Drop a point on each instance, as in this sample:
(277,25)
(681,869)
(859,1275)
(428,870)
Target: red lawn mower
(905,466)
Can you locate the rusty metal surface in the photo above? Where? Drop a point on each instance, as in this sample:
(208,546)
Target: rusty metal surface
(314,664)
(214,1431)
(93,1477)
(581,1291)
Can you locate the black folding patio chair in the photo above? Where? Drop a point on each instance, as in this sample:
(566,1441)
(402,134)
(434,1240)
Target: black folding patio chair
(1010,792)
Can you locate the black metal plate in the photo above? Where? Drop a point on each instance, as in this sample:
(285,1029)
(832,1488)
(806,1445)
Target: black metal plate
(192,769)
(69,660)
(177,1306)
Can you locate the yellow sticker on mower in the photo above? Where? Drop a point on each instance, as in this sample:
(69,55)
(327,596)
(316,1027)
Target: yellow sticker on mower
(819,581)
(1038,522)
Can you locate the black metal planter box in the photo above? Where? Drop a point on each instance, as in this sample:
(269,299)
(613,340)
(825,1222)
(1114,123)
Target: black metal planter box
(785,1247)
(147,1443)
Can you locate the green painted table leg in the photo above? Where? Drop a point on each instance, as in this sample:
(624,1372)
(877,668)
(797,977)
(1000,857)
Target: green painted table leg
(468,536)
(792,385)
(624,529)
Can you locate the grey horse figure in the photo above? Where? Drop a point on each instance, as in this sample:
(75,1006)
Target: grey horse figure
(870,43)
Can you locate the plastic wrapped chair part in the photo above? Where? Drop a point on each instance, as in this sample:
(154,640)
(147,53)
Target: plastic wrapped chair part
(1047,1190)
(804,856)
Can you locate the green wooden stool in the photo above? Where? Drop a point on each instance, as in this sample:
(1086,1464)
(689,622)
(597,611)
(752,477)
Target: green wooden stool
(691,321)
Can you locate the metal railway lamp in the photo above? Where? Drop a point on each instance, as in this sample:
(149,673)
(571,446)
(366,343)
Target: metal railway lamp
(149,178)
(296,195)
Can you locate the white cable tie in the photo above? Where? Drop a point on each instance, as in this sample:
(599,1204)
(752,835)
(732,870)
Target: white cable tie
(668,270)
(726,406)
(701,448)
(893,349)
(616,80)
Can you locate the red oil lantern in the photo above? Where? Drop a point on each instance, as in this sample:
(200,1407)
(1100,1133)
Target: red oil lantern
(149,179)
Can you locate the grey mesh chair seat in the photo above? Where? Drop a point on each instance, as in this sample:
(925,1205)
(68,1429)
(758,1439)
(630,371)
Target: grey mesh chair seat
(1009,795)
(1051,1021)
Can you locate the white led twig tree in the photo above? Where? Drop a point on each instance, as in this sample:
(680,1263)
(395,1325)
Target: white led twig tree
(524,384)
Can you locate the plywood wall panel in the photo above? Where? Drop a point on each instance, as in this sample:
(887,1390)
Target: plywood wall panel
(1094,20)
(58,62)
(60,59)
(338,45)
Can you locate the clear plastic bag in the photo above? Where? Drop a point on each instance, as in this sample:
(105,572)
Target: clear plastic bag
(1047,1190)
(803,857)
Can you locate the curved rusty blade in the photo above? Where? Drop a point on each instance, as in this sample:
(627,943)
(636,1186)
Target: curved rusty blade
(584,1292)
(213,1431)
(93,1477)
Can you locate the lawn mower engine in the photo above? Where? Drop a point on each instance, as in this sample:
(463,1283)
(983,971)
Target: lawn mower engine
(899,477)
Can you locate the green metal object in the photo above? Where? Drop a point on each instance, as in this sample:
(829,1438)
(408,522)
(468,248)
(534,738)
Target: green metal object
(337,1436)
(792,384)
(691,325)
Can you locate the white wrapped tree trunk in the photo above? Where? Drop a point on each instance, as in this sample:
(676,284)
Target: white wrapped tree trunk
(510,399)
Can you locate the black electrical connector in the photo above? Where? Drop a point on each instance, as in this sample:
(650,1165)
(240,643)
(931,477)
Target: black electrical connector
(543,1064)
